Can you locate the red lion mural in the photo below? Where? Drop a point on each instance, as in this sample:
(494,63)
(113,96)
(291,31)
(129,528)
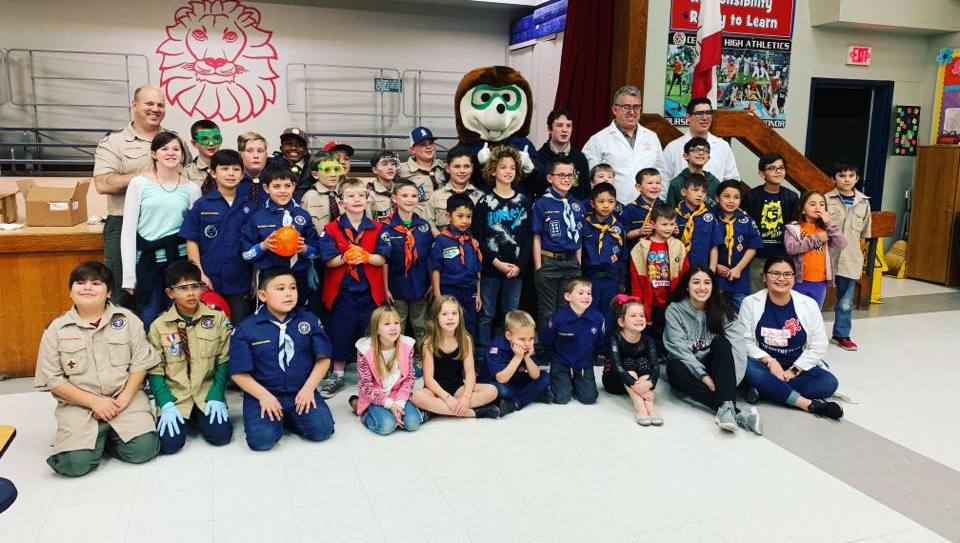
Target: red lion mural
(218,62)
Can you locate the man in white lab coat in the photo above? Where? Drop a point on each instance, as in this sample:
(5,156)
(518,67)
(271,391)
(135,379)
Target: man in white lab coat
(722,164)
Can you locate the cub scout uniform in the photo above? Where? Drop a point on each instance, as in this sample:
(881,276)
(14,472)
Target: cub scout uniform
(426,180)
(435,211)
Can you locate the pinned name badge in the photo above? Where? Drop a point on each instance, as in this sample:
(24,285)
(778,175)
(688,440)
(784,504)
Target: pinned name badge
(210,231)
(300,220)
(118,323)
(304,327)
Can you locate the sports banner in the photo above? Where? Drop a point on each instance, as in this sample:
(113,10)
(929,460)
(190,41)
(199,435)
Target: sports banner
(754,71)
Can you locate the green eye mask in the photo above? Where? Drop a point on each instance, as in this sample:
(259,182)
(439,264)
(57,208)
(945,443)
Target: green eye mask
(207,137)
(331,168)
(484,95)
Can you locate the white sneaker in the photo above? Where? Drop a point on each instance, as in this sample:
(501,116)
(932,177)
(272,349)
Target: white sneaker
(750,420)
(726,417)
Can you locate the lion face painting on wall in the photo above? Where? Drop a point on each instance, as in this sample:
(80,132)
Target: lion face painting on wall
(217,62)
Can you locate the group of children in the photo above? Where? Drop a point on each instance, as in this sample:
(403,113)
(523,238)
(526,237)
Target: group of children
(363,260)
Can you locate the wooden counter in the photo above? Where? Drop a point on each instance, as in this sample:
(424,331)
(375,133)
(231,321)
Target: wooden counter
(35,264)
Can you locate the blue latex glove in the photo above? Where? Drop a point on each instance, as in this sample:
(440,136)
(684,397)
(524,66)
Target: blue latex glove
(217,411)
(170,419)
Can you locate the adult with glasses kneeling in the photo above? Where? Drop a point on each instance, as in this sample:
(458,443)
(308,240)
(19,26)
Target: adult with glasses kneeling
(785,341)
(704,343)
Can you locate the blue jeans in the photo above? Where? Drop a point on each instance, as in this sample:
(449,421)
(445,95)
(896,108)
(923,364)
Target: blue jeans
(158,303)
(380,420)
(843,320)
(816,290)
(492,290)
(217,434)
(578,382)
(813,384)
(522,389)
(263,433)
(735,299)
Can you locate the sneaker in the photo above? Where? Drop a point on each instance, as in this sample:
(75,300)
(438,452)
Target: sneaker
(726,417)
(331,386)
(752,395)
(546,397)
(426,416)
(823,408)
(487,412)
(506,406)
(844,343)
(750,420)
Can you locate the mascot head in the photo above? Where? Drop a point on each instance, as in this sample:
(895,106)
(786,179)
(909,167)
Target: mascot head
(492,104)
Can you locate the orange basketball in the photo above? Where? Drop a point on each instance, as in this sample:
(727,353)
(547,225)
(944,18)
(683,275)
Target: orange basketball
(286,239)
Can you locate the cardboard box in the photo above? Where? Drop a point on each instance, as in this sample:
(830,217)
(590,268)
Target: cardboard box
(55,205)
(8,206)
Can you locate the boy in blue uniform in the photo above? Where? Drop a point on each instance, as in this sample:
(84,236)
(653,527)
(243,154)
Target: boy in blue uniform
(280,210)
(636,214)
(572,339)
(455,261)
(556,225)
(278,356)
(212,229)
(603,256)
(408,277)
(511,368)
(695,223)
(355,250)
(602,173)
(737,240)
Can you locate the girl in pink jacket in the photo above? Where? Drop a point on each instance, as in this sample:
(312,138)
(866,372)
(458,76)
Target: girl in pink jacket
(385,376)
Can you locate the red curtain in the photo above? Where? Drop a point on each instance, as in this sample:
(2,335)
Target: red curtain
(584,82)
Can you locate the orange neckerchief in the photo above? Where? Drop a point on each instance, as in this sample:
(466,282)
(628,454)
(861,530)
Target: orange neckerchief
(410,253)
(461,239)
(348,233)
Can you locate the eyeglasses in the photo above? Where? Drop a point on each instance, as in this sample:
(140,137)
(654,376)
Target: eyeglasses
(635,108)
(781,275)
(386,162)
(702,114)
(183,289)
(565,176)
(699,151)
(777,169)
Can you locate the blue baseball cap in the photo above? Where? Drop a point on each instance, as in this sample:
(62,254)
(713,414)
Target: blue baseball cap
(420,134)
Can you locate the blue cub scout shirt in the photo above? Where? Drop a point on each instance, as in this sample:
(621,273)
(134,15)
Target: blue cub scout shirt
(571,340)
(215,226)
(745,236)
(702,239)
(410,285)
(445,258)
(611,258)
(499,355)
(328,249)
(548,223)
(255,349)
(263,222)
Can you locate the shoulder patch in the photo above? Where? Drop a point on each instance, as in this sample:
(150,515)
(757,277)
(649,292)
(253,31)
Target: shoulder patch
(304,327)
(708,217)
(385,236)
(118,322)
(206,323)
(300,220)
(744,220)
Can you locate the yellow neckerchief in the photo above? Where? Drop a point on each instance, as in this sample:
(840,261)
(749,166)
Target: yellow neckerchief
(604,228)
(728,234)
(689,224)
(642,204)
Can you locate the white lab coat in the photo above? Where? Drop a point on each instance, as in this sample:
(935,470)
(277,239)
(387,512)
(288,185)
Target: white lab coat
(722,164)
(610,146)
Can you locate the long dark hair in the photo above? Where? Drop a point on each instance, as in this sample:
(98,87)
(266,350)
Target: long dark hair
(800,217)
(166,137)
(717,310)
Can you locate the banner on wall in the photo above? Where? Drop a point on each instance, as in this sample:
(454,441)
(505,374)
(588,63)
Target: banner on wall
(946,105)
(754,71)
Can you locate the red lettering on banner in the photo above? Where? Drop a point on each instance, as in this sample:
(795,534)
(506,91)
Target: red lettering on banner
(770,18)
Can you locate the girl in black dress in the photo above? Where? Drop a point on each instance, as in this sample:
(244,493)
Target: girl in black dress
(633,366)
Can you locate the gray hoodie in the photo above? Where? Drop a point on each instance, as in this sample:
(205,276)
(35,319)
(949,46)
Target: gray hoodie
(687,338)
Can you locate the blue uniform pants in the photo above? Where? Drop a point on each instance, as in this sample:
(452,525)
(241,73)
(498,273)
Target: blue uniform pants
(217,433)
(605,287)
(522,389)
(349,320)
(380,420)
(263,433)
(813,384)
(577,382)
(467,296)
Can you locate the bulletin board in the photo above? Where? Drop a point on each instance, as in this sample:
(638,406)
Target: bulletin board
(945,127)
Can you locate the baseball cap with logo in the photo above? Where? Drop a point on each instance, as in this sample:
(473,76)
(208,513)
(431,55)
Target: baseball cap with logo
(294,132)
(333,146)
(421,134)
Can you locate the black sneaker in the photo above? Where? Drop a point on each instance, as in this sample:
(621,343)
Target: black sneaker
(426,416)
(823,408)
(752,395)
(487,412)
(506,406)
(546,397)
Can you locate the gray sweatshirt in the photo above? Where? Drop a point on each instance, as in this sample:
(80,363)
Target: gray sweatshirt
(687,338)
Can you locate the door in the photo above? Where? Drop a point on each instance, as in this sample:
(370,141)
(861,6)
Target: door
(850,120)
(932,214)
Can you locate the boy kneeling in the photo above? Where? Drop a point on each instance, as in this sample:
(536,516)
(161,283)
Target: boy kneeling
(278,356)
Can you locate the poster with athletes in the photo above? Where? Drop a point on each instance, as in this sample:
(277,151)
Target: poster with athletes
(754,73)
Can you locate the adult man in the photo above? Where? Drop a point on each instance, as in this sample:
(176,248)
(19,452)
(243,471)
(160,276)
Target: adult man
(625,145)
(722,164)
(120,157)
(560,129)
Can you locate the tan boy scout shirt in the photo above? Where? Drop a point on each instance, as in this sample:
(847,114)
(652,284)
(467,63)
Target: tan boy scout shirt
(381,201)
(122,152)
(317,203)
(855,223)
(209,339)
(436,211)
(98,360)
(196,171)
(426,180)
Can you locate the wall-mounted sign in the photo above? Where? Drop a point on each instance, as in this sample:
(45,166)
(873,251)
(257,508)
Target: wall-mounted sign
(859,55)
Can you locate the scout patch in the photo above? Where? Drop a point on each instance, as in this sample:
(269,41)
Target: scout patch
(210,231)
(71,364)
(421,194)
(744,219)
(206,322)
(575,206)
(300,220)
(451,252)
(424,228)
(118,323)
(246,209)
(386,237)
(226,323)
(707,217)
(593,330)
(304,327)
(175,348)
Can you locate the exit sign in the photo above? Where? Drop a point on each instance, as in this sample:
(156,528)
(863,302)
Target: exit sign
(859,55)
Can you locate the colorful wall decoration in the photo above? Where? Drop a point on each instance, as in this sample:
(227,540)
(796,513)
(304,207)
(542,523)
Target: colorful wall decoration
(906,121)
(946,106)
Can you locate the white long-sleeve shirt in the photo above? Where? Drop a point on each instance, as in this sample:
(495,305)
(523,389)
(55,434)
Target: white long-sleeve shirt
(610,146)
(751,310)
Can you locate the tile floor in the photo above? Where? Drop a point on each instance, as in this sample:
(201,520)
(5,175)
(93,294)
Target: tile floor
(548,473)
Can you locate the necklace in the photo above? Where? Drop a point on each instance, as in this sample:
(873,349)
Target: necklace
(163,187)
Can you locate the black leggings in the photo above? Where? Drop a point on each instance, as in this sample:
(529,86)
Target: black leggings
(720,367)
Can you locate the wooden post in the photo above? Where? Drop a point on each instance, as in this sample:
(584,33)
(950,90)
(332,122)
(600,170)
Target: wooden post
(628,61)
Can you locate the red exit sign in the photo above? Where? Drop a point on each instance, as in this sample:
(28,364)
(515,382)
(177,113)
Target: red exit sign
(859,55)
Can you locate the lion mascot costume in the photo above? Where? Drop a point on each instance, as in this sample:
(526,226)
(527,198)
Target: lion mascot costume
(493,106)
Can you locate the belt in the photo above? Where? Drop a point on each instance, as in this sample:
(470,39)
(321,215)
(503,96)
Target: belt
(559,256)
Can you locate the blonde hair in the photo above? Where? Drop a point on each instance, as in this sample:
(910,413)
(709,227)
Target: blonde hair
(576,282)
(383,367)
(497,154)
(247,137)
(517,319)
(350,183)
(431,339)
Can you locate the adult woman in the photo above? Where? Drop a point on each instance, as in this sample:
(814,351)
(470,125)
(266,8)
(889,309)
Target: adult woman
(152,214)
(705,346)
(785,341)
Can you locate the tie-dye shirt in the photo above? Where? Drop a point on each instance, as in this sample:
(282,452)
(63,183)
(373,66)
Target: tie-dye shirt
(502,226)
